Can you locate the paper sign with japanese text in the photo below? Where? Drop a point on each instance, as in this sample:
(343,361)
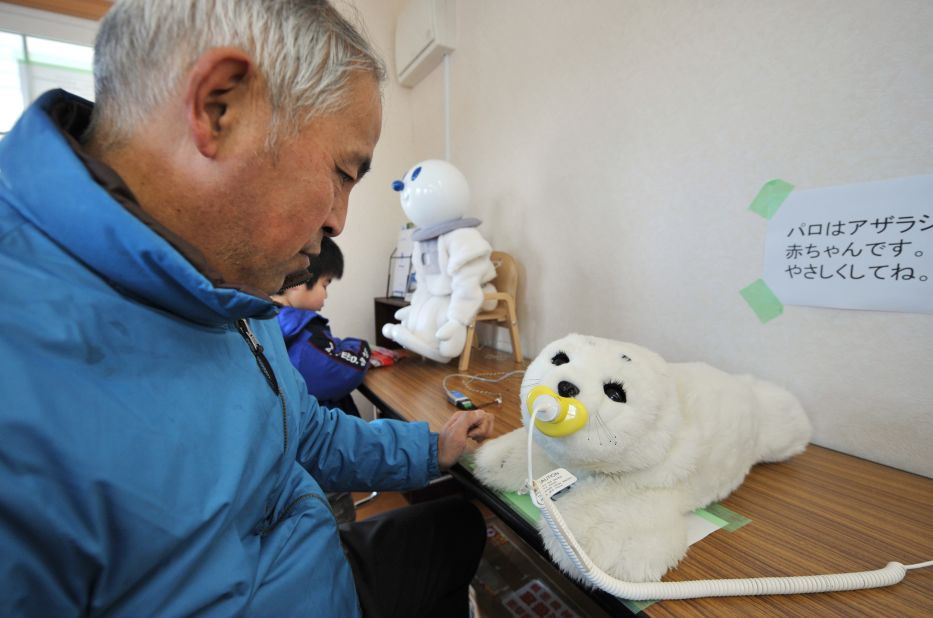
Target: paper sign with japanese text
(859,246)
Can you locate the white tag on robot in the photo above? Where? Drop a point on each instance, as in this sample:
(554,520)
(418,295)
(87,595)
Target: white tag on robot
(555,482)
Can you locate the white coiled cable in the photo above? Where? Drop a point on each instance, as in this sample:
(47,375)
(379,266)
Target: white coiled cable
(891,574)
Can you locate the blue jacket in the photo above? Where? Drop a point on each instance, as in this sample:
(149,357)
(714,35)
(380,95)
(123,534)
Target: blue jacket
(332,367)
(147,466)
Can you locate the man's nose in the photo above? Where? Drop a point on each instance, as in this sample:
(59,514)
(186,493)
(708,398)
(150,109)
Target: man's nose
(337,217)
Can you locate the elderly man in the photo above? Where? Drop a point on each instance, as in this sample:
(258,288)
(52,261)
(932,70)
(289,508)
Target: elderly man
(160,456)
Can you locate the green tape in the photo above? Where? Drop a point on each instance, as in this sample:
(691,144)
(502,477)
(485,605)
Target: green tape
(711,518)
(770,198)
(762,301)
(733,520)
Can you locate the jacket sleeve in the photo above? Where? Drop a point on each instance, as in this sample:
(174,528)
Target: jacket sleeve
(346,453)
(332,367)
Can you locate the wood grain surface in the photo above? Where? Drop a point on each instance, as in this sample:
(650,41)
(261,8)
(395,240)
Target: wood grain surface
(413,389)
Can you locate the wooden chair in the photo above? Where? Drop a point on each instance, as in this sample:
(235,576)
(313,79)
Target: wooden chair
(504,314)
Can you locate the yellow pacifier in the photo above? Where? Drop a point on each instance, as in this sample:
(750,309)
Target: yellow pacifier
(556,416)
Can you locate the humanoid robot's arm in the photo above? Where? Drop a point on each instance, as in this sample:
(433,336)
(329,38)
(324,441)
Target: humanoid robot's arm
(468,266)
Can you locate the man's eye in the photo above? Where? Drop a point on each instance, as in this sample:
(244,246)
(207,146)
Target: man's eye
(345,178)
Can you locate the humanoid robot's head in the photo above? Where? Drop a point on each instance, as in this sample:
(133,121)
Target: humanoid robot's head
(432,192)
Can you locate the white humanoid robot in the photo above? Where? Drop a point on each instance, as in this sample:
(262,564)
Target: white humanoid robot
(450,260)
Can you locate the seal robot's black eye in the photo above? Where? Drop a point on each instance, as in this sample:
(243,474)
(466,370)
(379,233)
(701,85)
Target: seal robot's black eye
(614,391)
(559,359)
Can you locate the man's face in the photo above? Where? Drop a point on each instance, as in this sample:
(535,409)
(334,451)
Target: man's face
(276,206)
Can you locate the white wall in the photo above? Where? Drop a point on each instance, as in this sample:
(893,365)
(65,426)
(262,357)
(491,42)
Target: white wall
(614,146)
(374,214)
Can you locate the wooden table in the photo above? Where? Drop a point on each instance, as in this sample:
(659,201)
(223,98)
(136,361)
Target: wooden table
(821,512)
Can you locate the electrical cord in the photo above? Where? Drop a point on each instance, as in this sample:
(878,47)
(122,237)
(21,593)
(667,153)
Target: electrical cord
(468,380)
(891,574)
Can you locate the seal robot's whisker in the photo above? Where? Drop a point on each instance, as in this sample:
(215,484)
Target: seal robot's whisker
(601,422)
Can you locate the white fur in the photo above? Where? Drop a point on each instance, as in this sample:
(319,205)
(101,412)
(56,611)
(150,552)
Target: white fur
(685,437)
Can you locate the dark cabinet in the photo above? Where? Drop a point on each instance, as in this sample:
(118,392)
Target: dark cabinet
(384,311)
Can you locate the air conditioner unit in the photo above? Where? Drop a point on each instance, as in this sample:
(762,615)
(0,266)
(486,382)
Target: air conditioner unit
(424,33)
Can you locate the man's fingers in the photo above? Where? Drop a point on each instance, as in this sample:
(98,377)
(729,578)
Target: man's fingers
(463,424)
(475,424)
(481,427)
(458,418)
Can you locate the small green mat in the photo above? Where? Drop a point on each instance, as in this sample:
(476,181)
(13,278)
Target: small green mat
(714,513)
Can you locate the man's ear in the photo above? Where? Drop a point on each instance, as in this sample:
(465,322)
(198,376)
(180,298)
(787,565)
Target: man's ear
(216,91)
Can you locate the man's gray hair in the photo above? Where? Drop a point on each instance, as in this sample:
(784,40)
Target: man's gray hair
(304,50)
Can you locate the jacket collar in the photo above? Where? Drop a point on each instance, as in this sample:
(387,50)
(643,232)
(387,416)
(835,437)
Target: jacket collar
(293,321)
(433,231)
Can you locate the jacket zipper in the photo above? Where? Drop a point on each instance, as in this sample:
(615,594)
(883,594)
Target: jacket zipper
(288,511)
(266,368)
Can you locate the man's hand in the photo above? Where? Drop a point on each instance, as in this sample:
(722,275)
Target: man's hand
(463,426)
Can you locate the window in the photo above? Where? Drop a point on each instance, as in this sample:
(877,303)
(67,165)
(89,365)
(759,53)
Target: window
(41,51)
